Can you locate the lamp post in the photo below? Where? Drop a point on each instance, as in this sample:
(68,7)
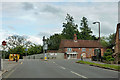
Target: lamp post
(99,28)
(99,37)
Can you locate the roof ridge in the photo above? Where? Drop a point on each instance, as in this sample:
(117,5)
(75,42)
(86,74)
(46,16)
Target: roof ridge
(80,40)
(80,43)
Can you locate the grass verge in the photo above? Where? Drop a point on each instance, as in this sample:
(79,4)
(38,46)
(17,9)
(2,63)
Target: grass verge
(108,66)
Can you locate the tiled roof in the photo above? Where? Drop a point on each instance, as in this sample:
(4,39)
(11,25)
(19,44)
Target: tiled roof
(79,43)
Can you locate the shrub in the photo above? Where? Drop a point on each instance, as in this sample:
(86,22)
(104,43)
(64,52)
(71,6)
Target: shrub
(108,55)
(108,52)
(111,59)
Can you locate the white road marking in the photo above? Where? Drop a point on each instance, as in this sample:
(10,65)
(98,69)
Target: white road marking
(55,63)
(78,74)
(62,67)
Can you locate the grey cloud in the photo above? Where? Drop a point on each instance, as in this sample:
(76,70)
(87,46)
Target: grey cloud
(52,9)
(28,6)
(119,12)
(44,34)
(11,28)
(105,29)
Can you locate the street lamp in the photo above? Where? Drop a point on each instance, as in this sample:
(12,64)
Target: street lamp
(99,28)
(99,37)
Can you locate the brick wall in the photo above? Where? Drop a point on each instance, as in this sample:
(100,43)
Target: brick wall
(89,52)
(117,47)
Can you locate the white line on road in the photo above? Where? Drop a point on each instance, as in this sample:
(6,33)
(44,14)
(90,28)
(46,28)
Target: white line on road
(78,74)
(55,63)
(62,67)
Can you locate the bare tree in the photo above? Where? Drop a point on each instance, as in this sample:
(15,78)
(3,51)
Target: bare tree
(16,40)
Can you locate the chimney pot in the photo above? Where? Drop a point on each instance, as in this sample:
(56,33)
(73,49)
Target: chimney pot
(75,37)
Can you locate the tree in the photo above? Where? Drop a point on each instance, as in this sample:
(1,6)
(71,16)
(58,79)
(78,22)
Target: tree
(69,28)
(54,41)
(17,50)
(111,40)
(86,32)
(108,55)
(35,49)
(16,40)
(16,45)
(104,42)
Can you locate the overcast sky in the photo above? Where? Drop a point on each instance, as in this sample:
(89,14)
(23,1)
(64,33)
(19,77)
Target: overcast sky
(38,19)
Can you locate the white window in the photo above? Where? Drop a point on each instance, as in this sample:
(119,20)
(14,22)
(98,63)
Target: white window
(83,49)
(69,49)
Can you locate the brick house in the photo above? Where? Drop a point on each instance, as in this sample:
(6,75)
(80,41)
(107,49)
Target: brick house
(75,48)
(117,43)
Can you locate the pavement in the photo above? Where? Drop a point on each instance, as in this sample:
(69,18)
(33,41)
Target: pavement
(36,68)
(8,65)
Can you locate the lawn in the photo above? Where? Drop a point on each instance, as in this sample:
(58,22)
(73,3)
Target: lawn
(110,66)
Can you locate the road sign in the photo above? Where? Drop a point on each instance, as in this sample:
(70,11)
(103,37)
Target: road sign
(26,49)
(45,47)
(4,43)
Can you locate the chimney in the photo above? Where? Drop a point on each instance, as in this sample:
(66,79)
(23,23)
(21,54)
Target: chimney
(75,38)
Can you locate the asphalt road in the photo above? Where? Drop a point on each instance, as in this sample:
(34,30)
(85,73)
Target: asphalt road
(58,69)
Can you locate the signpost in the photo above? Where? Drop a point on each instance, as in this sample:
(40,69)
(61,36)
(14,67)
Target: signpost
(4,44)
(45,47)
(26,51)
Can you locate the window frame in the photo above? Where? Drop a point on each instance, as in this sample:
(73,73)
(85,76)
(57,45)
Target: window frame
(69,49)
(83,49)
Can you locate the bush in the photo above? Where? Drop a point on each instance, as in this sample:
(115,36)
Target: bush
(108,55)
(111,59)
(108,52)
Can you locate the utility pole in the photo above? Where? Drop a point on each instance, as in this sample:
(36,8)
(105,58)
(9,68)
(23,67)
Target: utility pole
(99,39)
(4,43)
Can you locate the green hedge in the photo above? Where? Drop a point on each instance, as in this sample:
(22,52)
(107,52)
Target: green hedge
(116,67)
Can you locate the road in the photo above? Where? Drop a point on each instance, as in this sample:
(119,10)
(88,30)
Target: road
(57,69)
